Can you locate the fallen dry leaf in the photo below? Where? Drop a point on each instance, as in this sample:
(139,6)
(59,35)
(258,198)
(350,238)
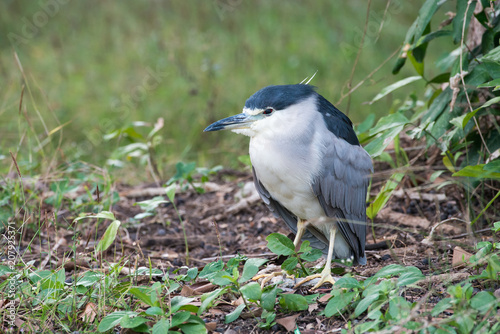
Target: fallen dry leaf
(312,307)
(290,323)
(460,257)
(89,313)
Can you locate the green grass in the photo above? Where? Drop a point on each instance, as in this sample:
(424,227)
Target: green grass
(93,71)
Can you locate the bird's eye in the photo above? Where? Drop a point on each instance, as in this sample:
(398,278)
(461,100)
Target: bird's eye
(268,111)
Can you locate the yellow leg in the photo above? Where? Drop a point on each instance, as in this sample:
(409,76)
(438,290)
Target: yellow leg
(301,228)
(326,274)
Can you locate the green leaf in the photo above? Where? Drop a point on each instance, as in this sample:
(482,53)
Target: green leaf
(180,317)
(251,268)
(109,236)
(177,302)
(132,322)
(161,327)
(338,303)
(208,298)
(312,255)
(151,204)
(235,314)
(429,37)
(348,283)
(170,191)
(424,17)
(442,306)
(410,277)
(496,226)
(394,86)
(365,303)
(195,325)
(483,301)
(293,302)
(482,171)
(268,298)
(141,294)
(458,21)
(290,264)
(102,214)
(113,319)
(154,310)
(280,244)
(390,270)
(492,83)
(251,291)
(305,246)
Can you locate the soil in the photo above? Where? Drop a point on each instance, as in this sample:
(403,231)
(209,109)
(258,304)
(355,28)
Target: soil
(229,219)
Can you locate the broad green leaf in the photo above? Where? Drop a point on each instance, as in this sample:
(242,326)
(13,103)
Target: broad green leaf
(268,298)
(177,302)
(161,327)
(251,268)
(394,86)
(109,236)
(132,322)
(481,171)
(290,264)
(235,314)
(483,301)
(390,270)
(208,298)
(492,83)
(154,310)
(280,244)
(399,308)
(151,204)
(305,246)
(180,317)
(293,302)
(251,291)
(458,20)
(113,319)
(410,277)
(312,255)
(365,303)
(195,325)
(337,304)
(348,283)
(442,306)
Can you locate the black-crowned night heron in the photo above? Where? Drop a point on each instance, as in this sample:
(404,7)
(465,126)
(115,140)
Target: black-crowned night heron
(308,168)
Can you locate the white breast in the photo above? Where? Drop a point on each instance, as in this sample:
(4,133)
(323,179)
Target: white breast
(280,150)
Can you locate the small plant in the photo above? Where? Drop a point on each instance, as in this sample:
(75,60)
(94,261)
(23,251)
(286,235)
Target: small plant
(185,175)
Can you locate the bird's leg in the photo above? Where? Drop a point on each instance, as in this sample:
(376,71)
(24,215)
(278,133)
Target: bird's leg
(326,274)
(301,228)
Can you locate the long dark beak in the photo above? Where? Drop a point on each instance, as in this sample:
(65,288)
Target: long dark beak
(240,121)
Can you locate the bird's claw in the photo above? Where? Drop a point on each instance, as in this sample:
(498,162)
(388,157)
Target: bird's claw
(267,277)
(325,277)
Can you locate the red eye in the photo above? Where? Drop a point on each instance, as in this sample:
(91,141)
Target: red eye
(268,111)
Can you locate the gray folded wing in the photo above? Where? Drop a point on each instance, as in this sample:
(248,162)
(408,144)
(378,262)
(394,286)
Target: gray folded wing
(341,190)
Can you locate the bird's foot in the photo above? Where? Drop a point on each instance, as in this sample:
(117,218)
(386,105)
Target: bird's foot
(267,277)
(324,277)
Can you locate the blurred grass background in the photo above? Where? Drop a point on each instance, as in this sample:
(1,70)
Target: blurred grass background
(91,67)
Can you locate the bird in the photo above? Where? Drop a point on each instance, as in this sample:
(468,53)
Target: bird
(308,168)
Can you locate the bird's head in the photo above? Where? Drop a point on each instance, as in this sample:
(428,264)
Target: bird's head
(272,107)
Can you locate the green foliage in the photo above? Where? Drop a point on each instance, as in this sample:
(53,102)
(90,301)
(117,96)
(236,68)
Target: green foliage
(185,175)
(449,115)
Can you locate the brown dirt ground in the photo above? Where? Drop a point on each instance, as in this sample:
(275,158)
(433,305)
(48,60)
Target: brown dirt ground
(398,234)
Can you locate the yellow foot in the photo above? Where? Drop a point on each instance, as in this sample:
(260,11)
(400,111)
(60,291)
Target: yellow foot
(325,277)
(267,277)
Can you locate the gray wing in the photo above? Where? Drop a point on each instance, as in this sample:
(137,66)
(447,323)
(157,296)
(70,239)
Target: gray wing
(341,190)
(316,239)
